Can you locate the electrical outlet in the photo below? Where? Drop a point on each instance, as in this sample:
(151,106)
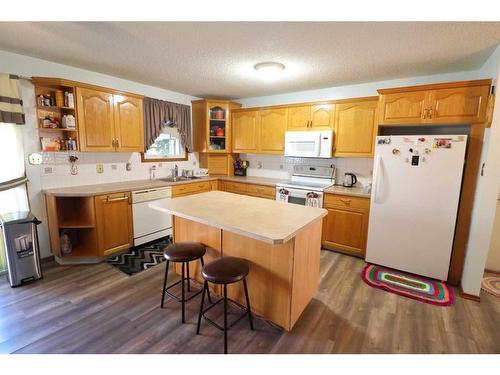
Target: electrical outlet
(128,166)
(35,158)
(99,168)
(281,166)
(259,165)
(114,167)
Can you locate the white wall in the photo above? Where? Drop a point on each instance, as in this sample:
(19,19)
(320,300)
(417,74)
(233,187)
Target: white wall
(485,200)
(60,175)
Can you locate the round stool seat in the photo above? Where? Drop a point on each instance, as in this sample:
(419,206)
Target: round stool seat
(225,270)
(184,251)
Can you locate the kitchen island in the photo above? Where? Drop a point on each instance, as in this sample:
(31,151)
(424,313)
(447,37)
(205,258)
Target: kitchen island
(281,241)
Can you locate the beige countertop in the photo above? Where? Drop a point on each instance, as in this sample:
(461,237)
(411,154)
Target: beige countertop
(258,218)
(116,187)
(252,180)
(352,191)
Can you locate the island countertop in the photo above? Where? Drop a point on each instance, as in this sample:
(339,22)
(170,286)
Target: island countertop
(265,220)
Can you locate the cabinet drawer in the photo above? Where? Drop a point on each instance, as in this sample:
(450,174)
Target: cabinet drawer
(346,201)
(196,187)
(261,191)
(235,187)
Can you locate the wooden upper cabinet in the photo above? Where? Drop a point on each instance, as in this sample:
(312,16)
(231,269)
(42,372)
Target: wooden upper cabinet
(272,128)
(299,117)
(443,103)
(322,117)
(114,222)
(355,128)
(403,108)
(95,120)
(244,131)
(462,104)
(129,128)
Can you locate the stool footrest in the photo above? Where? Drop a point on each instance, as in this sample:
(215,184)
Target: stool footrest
(245,313)
(177,298)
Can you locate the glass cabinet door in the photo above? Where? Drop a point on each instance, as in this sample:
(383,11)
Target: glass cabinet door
(217,137)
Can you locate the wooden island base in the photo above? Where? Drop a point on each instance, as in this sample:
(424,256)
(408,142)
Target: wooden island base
(283,278)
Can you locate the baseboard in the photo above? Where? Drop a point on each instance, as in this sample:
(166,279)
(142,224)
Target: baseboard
(468,296)
(48,259)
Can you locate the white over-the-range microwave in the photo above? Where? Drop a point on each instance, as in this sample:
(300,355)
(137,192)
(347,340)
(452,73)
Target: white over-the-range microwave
(310,144)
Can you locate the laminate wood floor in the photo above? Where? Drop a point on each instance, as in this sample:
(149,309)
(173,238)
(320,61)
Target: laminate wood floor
(98,309)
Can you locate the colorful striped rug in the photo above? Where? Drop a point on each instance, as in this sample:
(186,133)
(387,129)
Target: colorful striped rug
(491,285)
(408,285)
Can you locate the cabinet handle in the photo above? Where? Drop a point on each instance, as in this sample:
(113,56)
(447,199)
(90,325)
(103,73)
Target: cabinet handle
(346,201)
(430,112)
(117,143)
(108,199)
(424,115)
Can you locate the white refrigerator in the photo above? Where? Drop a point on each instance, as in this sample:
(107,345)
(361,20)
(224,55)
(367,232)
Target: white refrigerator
(414,202)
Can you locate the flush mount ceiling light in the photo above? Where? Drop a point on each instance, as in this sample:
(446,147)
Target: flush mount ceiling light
(269,67)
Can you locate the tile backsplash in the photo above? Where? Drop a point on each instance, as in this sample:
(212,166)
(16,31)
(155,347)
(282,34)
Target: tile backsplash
(55,169)
(277,166)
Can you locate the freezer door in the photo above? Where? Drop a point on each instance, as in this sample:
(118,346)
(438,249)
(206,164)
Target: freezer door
(414,202)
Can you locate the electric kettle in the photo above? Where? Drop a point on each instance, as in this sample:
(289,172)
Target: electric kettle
(350,179)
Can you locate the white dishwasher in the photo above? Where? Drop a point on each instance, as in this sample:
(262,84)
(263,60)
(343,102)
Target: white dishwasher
(150,224)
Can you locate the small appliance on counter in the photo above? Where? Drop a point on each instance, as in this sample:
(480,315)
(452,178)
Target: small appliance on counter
(240,167)
(19,238)
(350,180)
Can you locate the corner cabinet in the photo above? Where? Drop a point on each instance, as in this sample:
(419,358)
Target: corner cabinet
(212,125)
(355,126)
(448,103)
(109,122)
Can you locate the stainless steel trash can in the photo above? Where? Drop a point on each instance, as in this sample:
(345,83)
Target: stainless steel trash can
(20,241)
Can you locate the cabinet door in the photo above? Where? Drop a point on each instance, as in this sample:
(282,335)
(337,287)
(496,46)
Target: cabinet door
(322,117)
(114,222)
(346,229)
(459,105)
(299,117)
(404,108)
(355,128)
(95,120)
(272,128)
(244,126)
(129,126)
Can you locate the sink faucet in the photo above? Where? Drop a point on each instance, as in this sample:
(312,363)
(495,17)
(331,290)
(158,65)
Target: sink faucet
(175,172)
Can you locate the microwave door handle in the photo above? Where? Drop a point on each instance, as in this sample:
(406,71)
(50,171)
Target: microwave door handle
(376,176)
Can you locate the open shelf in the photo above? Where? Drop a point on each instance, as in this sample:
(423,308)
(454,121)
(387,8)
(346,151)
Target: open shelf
(83,241)
(75,223)
(75,212)
(54,108)
(57,129)
(218,136)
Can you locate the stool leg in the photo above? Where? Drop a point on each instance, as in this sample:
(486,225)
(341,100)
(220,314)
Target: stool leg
(248,303)
(208,290)
(189,284)
(225,318)
(183,296)
(164,284)
(205,287)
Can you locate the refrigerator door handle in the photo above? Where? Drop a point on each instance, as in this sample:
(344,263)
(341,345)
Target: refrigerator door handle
(376,172)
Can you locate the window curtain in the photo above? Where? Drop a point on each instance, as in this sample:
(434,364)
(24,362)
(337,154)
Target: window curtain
(13,196)
(158,112)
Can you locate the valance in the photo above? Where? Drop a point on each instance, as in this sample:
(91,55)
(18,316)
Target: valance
(158,112)
(11,105)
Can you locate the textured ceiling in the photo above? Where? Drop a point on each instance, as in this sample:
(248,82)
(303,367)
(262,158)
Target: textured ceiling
(216,59)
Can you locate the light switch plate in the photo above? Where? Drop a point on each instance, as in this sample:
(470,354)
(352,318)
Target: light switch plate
(99,168)
(35,158)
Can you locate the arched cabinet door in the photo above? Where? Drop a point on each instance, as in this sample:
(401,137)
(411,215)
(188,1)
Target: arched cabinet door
(355,128)
(299,117)
(129,126)
(404,108)
(272,130)
(95,120)
(244,131)
(322,117)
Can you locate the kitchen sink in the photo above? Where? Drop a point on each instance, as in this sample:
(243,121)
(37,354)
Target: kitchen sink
(180,178)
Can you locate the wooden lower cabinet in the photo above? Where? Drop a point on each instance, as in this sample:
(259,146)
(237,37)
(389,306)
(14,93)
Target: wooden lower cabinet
(345,228)
(260,191)
(217,164)
(114,222)
(191,188)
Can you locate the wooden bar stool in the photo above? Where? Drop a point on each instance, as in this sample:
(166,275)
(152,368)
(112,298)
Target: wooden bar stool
(224,270)
(182,252)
